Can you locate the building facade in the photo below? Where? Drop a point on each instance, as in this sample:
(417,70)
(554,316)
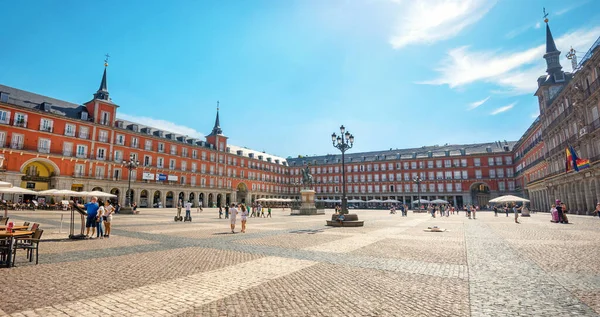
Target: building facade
(49,143)
(569,106)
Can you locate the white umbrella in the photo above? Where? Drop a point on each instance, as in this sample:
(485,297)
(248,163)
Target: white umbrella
(391,201)
(421,201)
(508,199)
(49,192)
(439,201)
(97,193)
(5,184)
(17,190)
(375,201)
(356,201)
(66,192)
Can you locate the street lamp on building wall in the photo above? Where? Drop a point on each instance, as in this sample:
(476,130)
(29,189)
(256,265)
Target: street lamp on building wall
(343,142)
(417,180)
(130,165)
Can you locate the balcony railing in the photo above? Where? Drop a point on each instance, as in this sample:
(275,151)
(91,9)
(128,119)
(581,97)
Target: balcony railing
(78,174)
(20,123)
(44,150)
(81,155)
(103,139)
(592,88)
(16,146)
(67,153)
(46,129)
(69,133)
(84,135)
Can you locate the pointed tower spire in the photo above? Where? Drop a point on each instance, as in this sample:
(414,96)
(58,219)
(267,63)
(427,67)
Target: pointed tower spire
(102,92)
(552,55)
(217,128)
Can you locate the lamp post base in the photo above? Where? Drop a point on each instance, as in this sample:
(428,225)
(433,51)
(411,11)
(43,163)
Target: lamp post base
(126,211)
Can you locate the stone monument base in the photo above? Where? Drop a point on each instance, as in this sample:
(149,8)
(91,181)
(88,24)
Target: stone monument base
(307,206)
(350,220)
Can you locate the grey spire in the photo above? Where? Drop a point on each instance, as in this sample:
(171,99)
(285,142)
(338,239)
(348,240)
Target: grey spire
(550,46)
(102,92)
(217,128)
(552,57)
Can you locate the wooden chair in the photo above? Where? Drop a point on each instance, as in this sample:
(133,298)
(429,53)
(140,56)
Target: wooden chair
(35,226)
(4,249)
(26,223)
(29,244)
(3,220)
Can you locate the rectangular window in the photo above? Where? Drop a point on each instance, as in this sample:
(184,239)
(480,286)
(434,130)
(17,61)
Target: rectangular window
(458,187)
(430,175)
(148,145)
(501,186)
(431,188)
(20,120)
(101,154)
(172,164)
(456,174)
(477,161)
(413,165)
(448,174)
(438,164)
(195,155)
(5,117)
(499,160)
(68,149)
(463,162)
(448,187)
(183,165)
(508,160)
(440,187)
(500,172)
(160,162)
(161,147)
(447,163)
(194,167)
(81,151)
(509,172)
(46,125)
(134,142)
(184,152)
(465,174)
(118,156)
(147,160)
(173,149)
(429,164)
(79,170)
(69,129)
(44,145)
(84,132)
(478,174)
(492,173)
(439,175)
(120,139)
(490,161)
(99,172)
(103,136)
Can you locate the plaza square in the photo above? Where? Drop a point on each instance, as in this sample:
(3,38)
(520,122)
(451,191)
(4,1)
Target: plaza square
(296,266)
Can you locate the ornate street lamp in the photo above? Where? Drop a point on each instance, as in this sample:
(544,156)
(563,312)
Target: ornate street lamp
(343,142)
(417,180)
(130,165)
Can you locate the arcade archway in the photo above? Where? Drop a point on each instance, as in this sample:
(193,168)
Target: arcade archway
(210,200)
(219,200)
(242,192)
(156,202)
(169,200)
(116,191)
(480,194)
(144,198)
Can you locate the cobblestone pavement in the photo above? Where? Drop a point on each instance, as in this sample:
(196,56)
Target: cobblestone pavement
(295,266)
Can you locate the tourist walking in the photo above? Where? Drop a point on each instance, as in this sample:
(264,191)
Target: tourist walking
(506,209)
(107,218)
(226,212)
(474,211)
(253,214)
(244,217)
(516,211)
(99,230)
(269,213)
(220,212)
(495,211)
(233,211)
(188,210)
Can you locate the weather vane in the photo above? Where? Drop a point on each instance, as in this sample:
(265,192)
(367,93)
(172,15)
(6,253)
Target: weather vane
(545,16)
(106,60)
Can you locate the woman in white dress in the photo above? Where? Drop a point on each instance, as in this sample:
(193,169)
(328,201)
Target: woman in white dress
(232,213)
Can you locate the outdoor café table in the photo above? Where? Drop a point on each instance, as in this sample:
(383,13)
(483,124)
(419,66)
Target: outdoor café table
(3,228)
(11,241)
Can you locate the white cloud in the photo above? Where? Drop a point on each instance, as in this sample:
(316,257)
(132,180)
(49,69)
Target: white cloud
(476,104)
(569,8)
(162,125)
(424,21)
(538,25)
(503,109)
(514,72)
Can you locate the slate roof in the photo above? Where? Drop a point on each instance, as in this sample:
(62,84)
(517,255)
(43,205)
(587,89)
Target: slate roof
(34,101)
(435,151)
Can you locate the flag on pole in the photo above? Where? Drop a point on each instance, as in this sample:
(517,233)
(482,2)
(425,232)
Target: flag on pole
(573,162)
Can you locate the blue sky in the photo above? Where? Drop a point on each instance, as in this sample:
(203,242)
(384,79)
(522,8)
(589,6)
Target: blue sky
(287,74)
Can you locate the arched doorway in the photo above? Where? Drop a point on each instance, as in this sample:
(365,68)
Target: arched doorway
(144,198)
(181,198)
(169,201)
(38,175)
(210,200)
(480,194)
(219,200)
(201,199)
(116,191)
(227,199)
(97,189)
(156,202)
(192,197)
(242,192)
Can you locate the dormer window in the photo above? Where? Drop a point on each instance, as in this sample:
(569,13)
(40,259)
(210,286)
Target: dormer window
(84,115)
(3,97)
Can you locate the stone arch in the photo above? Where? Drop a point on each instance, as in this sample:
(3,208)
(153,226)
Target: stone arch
(480,193)
(116,191)
(181,196)
(157,199)
(97,189)
(169,197)
(144,198)
(219,200)
(201,200)
(52,166)
(192,198)
(210,200)
(241,193)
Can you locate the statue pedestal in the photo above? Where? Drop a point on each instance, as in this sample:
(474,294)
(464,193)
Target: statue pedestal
(307,205)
